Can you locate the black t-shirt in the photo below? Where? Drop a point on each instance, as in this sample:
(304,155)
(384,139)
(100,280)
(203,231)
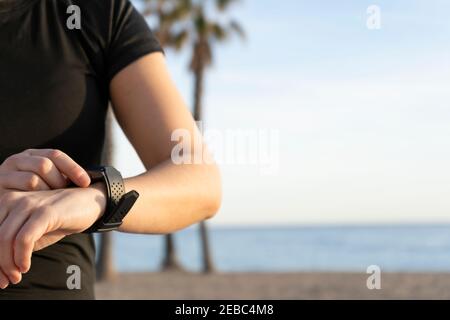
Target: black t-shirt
(54,93)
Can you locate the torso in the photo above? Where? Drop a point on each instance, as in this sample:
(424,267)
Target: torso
(52,95)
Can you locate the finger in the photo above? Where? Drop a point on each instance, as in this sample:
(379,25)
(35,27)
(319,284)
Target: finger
(43,167)
(6,202)
(23,180)
(65,165)
(33,230)
(4,282)
(48,239)
(8,231)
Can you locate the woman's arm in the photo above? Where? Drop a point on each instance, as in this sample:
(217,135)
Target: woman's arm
(149,109)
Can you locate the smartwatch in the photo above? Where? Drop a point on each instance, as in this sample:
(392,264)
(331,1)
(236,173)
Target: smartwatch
(118,203)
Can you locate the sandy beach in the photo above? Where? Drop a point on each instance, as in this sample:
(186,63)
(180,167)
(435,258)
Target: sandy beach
(274,286)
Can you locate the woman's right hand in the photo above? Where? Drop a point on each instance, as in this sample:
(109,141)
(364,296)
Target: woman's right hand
(40,169)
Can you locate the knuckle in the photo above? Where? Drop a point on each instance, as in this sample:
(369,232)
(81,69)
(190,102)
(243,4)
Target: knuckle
(12,159)
(9,197)
(44,215)
(44,165)
(44,212)
(26,202)
(23,240)
(32,183)
(55,153)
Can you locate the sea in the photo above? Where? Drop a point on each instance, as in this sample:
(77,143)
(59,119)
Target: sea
(291,249)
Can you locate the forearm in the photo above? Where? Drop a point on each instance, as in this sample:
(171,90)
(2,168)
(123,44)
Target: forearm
(172,197)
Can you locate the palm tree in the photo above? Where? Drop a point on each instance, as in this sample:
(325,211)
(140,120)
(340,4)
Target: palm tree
(171,262)
(189,24)
(105,265)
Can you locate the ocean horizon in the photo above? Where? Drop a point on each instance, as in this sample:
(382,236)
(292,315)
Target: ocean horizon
(330,248)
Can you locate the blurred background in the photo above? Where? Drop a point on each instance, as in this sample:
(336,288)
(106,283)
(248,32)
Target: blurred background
(330,122)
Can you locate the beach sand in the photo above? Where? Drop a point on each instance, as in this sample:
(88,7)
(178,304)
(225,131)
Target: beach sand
(274,286)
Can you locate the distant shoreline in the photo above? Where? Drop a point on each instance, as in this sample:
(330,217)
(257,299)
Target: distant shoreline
(261,285)
(393,249)
(383,225)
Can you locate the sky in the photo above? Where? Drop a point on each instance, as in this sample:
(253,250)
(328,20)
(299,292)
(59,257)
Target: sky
(351,124)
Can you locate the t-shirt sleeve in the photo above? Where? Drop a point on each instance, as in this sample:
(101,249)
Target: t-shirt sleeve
(130,37)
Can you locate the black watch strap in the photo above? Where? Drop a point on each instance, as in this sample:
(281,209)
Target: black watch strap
(118,203)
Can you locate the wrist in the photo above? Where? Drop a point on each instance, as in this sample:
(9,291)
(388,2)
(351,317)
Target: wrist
(82,208)
(99,196)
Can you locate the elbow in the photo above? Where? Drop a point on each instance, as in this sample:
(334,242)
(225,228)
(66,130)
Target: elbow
(213,207)
(213,191)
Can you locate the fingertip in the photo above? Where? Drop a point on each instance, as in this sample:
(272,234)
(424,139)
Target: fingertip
(4,283)
(15,278)
(84,180)
(24,268)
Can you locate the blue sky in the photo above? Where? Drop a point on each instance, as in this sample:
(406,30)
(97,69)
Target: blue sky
(363,115)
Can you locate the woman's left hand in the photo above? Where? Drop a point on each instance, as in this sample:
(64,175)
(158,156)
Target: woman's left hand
(30,221)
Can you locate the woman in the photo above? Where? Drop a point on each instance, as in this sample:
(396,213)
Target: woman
(61,62)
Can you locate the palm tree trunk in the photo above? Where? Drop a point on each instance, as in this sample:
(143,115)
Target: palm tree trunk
(170,262)
(207,262)
(208,265)
(105,264)
(198,93)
